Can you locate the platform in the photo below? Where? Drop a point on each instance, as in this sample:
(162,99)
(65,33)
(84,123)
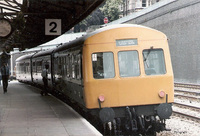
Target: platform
(24,112)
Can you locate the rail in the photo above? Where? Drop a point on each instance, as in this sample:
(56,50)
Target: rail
(193,86)
(192,95)
(194,108)
(183,115)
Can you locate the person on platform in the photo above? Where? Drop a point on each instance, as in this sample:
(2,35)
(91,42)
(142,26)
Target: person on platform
(45,80)
(5,73)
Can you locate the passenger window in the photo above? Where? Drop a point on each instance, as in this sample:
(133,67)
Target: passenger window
(27,67)
(128,63)
(103,65)
(68,65)
(39,66)
(59,72)
(56,65)
(73,66)
(21,68)
(154,62)
(78,66)
(34,68)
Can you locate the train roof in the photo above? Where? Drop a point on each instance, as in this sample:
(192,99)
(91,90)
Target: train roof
(80,41)
(43,53)
(24,57)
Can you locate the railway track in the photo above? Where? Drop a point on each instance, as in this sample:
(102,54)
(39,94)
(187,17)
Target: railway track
(191,95)
(193,108)
(184,97)
(186,116)
(190,92)
(190,98)
(187,111)
(191,86)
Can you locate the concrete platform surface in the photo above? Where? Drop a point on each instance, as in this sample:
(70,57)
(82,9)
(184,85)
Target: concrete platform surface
(24,112)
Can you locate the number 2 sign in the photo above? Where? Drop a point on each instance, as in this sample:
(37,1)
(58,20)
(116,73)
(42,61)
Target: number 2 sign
(52,26)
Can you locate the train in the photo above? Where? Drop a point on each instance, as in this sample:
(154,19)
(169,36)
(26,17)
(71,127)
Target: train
(121,74)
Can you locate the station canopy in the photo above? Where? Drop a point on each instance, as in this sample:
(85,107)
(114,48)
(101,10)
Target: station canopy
(35,22)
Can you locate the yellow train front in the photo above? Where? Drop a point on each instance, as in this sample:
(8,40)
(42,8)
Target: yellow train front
(128,75)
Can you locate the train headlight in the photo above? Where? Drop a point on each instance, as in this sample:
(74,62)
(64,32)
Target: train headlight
(161,94)
(101,98)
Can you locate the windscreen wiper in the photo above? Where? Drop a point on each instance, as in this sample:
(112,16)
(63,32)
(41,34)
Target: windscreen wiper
(145,58)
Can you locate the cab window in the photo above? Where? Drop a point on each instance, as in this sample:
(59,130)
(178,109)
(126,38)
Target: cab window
(103,65)
(128,64)
(154,62)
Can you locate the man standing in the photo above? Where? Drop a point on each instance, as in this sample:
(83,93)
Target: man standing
(5,76)
(45,79)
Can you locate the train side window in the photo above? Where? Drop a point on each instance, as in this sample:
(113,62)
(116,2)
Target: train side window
(154,62)
(128,63)
(73,66)
(21,68)
(44,63)
(34,69)
(103,65)
(27,67)
(59,71)
(78,66)
(67,65)
(39,66)
(63,71)
(56,65)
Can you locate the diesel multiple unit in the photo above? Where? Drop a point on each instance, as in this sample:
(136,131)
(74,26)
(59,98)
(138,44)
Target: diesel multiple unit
(121,74)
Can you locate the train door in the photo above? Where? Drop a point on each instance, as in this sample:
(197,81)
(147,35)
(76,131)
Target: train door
(47,61)
(67,75)
(57,71)
(27,70)
(20,72)
(38,72)
(54,62)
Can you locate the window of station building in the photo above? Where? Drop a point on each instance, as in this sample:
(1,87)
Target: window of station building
(144,3)
(154,62)
(128,63)
(103,65)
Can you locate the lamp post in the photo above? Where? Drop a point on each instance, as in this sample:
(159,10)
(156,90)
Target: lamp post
(125,8)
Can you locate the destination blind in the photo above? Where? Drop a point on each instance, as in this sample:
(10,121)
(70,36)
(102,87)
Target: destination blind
(126,42)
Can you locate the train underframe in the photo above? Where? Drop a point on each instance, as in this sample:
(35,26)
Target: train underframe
(135,120)
(124,121)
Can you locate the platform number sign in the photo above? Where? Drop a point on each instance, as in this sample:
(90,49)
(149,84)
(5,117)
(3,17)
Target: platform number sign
(52,26)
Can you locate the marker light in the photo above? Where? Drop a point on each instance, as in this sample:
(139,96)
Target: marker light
(101,98)
(161,94)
